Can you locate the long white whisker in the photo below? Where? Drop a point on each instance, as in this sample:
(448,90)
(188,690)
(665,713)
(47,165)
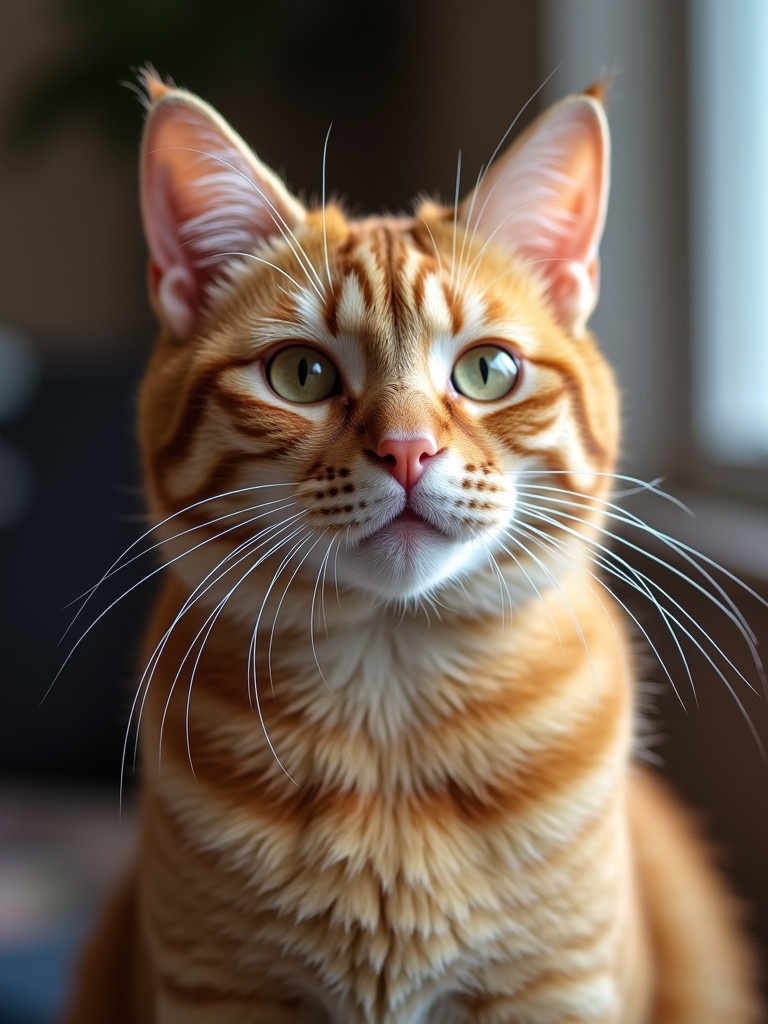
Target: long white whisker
(609,565)
(469,233)
(455,218)
(154,572)
(289,237)
(252,652)
(266,263)
(214,576)
(206,628)
(547,542)
(618,538)
(434,247)
(512,124)
(275,576)
(303,559)
(684,551)
(651,486)
(325,232)
(501,581)
(510,533)
(319,583)
(207,524)
(471,228)
(119,563)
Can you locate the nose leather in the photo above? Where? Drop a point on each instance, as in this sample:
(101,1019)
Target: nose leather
(407,459)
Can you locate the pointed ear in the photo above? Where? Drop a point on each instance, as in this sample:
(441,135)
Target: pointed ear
(205,198)
(546,199)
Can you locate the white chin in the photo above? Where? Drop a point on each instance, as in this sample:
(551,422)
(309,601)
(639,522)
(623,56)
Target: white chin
(405,560)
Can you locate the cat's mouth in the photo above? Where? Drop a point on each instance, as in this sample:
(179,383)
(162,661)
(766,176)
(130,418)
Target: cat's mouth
(409,524)
(408,516)
(408,554)
(406,531)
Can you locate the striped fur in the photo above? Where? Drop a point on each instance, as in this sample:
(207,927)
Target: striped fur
(386,730)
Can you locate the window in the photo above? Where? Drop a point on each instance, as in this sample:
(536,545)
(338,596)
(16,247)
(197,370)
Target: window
(729,227)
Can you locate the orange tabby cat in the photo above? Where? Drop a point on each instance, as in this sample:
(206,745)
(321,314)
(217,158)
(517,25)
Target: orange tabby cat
(387,714)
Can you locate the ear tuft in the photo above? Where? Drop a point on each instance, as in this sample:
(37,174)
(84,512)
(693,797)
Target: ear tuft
(545,200)
(152,86)
(603,87)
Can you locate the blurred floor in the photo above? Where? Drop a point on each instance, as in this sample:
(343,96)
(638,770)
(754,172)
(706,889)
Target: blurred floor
(60,849)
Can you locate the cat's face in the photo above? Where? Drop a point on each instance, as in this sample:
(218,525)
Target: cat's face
(364,401)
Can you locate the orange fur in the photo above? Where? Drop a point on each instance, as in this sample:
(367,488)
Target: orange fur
(386,732)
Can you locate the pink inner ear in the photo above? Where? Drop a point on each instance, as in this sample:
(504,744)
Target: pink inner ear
(206,199)
(546,200)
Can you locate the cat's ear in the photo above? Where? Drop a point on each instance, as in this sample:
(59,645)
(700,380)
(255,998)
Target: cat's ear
(205,197)
(546,199)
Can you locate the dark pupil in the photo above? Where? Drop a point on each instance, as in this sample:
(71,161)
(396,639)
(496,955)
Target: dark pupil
(484,369)
(303,371)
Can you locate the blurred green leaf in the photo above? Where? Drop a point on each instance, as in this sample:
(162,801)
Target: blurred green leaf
(197,42)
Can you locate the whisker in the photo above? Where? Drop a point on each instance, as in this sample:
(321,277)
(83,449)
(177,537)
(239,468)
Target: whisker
(252,654)
(215,179)
(472,228)
(206,628)
(610,559)
(566,601)
(214,576)
(434,247)
(684,551)
(731,612)
(511,534)
(282,599)
(325,232)
(119,563)
(547,542)
(289,237)
(259,259)
(651,486)
(511,127)
(320,575)
(154,572)
(501,581)
(455,218)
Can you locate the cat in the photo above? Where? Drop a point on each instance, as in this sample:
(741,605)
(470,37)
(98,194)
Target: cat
(387,715)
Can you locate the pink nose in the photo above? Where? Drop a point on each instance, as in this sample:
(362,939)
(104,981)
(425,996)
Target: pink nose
(407,460)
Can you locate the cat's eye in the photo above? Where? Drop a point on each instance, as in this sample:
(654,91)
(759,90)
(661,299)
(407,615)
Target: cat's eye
(303,374)
(485,373)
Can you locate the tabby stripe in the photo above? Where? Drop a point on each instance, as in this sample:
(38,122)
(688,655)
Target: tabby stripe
(265,420)
(578,405)
(222,477)
(184,432)
(474,802)
(353,267)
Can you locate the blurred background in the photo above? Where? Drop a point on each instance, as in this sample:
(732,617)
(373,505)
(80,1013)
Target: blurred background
(407,84)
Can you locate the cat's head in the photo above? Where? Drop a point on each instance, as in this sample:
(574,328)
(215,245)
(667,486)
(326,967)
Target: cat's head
(371,400)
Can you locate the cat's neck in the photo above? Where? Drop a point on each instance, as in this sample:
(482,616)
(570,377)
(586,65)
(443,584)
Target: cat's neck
(383,705)
(364,664)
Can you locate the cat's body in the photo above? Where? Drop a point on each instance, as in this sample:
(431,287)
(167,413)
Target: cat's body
(388,718)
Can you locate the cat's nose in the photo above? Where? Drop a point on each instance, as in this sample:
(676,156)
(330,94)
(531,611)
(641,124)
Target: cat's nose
(406,459)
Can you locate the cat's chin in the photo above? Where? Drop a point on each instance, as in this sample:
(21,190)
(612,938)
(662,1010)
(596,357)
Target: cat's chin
(407,558)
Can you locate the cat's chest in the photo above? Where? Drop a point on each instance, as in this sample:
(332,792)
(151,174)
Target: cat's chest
(408,806)
(386,909)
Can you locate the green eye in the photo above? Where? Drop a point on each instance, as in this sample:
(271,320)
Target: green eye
(303,374)
(485,373)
